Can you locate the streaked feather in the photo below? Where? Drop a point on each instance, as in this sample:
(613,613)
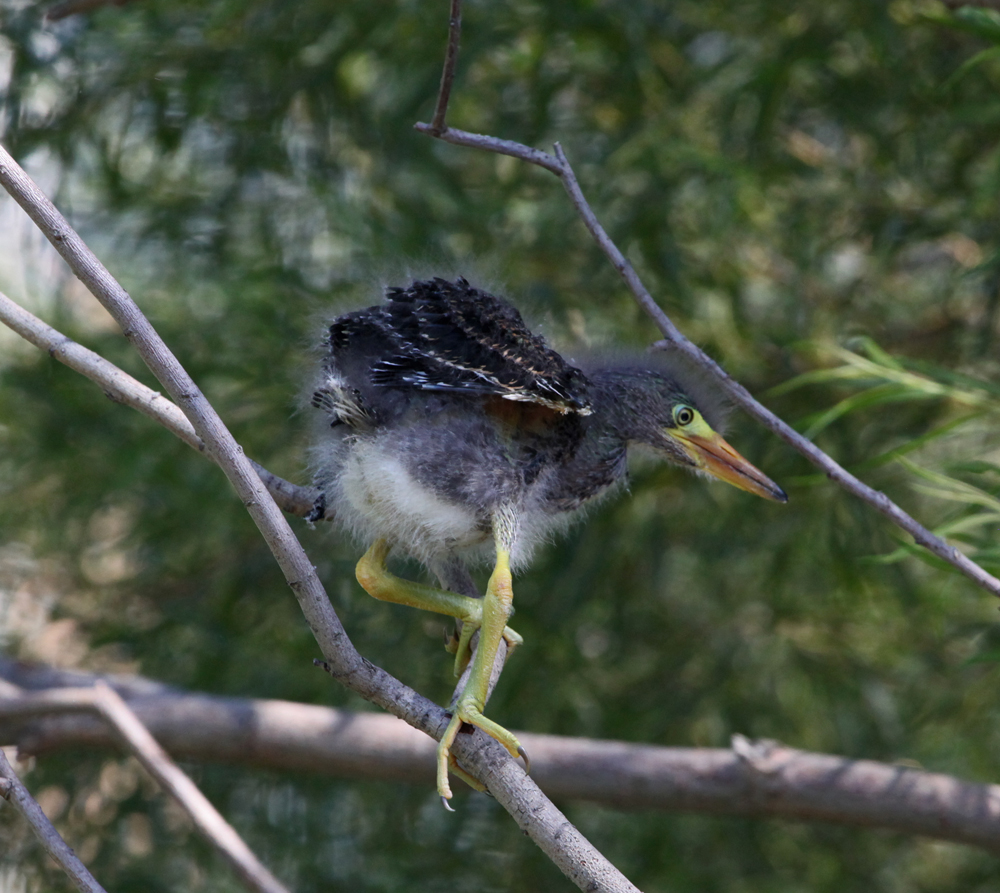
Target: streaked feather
(437,335)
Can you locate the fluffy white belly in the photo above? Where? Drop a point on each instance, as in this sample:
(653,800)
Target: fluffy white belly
(379,497)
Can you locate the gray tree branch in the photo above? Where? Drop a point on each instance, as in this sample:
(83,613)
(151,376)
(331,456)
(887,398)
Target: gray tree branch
(12,790)
(117,717)
(206,818)
(123,388)
(760,779)
(450,61)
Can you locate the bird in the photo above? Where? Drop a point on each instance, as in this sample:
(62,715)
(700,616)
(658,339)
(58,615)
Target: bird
(454,435)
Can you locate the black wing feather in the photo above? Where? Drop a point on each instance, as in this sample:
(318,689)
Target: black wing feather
(449,336)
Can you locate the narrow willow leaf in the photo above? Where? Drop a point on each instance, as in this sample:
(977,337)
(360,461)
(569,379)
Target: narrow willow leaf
(877,396)
(949,488)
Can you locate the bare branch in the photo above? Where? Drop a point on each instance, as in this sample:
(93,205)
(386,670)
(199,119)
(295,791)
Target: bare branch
(448,74)
(102,700)
(123,388)
(118,385)
(479,754)
(206,818)
(492,144)
(13,790)
(219,443)
(761,779)
(674,340)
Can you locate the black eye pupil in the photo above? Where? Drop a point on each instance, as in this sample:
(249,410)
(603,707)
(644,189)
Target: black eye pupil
(685,416)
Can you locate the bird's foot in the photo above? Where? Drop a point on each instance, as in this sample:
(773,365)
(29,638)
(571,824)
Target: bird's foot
(460,644)
(468,711)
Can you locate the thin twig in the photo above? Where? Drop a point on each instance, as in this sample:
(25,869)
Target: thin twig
(205,817)
(448,73)
(494,144)
(761,779)
(123,388)
(479,754)
(13,790)
(675,340)
(103,701)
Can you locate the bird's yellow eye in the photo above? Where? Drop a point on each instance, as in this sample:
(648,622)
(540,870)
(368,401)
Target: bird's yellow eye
(683,415)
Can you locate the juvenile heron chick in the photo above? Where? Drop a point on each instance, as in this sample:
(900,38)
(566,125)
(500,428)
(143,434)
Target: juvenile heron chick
(455,434)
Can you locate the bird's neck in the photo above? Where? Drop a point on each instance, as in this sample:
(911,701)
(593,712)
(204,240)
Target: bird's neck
(624,408)
(597,460)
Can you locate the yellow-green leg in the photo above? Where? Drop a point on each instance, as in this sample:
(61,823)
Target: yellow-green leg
(497,607)
(376,580)
(488,615)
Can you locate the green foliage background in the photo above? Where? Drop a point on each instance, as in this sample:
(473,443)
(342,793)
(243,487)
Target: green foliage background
(811,193)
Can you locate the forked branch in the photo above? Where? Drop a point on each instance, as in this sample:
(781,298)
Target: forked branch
(559,165)
(123,388)
(105,702)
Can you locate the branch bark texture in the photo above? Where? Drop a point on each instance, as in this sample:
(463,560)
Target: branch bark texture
(12,790)
(759,779)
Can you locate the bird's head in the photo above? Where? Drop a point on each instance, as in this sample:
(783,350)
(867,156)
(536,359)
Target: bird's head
(651,407)
(689,440)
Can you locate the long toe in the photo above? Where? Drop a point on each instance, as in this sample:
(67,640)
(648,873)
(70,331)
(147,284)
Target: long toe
(472,715)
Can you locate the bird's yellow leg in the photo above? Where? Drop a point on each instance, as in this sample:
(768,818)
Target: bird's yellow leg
(377,581)
(497,607)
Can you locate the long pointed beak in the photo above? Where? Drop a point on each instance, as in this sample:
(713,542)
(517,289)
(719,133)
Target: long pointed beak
(711,453)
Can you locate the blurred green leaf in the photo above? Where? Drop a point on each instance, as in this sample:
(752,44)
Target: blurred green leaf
(974,62)
(945,487)
(977,20)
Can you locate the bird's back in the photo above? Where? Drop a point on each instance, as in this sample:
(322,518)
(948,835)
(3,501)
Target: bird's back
(445,336)
(444,407)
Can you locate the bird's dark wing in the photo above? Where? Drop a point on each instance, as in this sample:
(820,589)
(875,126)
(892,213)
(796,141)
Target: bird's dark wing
(346,392)
(450,336)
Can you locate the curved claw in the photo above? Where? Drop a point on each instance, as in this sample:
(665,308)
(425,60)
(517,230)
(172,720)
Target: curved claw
(524,756)
(446,804)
